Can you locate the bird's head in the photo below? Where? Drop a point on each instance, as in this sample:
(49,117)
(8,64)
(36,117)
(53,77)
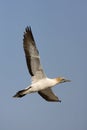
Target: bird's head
(62,80)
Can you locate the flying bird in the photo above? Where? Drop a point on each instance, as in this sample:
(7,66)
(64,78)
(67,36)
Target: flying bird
(40,82)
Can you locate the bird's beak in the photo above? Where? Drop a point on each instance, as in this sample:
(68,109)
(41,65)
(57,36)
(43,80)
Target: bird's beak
(67,80)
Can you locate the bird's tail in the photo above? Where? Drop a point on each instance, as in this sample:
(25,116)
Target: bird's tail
(22,93)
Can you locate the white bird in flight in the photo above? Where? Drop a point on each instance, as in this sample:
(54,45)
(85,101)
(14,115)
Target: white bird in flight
(40,82)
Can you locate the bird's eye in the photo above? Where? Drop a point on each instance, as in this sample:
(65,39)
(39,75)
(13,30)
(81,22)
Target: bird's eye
(63,80)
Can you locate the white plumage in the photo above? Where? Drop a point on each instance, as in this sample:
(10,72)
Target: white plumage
(40,82)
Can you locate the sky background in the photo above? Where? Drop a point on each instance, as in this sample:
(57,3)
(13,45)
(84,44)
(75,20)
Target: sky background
(60,31)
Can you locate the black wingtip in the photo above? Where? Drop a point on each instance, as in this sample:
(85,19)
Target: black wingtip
(28,28)
(28,31)
(59,101)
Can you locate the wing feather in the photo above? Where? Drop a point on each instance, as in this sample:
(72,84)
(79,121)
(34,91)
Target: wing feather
(48,95)
(32,54)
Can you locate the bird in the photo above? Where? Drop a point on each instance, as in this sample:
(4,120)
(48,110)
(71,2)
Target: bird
(40,83)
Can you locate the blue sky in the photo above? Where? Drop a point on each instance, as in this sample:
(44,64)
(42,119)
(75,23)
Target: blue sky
(60,31)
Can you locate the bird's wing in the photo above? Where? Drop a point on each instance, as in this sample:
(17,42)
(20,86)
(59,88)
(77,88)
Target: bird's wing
(32,55)
(48,95)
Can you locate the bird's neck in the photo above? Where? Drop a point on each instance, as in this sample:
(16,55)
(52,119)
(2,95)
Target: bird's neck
(57,80)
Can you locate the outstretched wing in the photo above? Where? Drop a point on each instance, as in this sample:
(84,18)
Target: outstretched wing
(32,55)
(48,95)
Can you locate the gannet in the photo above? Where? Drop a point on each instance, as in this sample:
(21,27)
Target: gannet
(40,82)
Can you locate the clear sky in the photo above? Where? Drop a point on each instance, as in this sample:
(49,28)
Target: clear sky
(60,30)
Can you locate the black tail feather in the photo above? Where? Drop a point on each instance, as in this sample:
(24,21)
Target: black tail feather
(19,94)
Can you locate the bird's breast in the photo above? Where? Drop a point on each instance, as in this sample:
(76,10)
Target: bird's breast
(43,84)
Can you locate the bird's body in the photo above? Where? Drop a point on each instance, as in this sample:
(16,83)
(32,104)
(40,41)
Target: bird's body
(40,82)
(43,84)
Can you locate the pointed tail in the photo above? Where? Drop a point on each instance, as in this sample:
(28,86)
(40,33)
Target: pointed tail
(22,93)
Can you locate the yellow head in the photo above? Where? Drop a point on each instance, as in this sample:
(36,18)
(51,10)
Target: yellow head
(62,80)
